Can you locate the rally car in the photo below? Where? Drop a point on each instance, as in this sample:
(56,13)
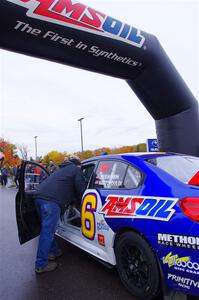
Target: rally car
(140,213)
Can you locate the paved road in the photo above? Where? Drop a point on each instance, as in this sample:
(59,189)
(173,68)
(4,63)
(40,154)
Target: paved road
(79,277)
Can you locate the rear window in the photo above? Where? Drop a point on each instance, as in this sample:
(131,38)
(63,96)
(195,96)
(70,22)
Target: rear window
(181,167)
(110,174)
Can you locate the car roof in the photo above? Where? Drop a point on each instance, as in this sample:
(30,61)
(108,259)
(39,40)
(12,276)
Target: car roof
(141,155)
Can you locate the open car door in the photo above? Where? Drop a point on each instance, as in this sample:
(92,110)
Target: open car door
(28,222)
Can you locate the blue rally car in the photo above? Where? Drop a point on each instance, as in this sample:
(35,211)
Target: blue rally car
(140,213)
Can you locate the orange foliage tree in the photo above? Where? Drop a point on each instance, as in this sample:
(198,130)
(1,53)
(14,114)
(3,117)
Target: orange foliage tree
(11,158)
(9,150)
(124,149)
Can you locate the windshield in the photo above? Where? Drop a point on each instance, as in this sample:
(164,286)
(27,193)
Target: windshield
(181,167)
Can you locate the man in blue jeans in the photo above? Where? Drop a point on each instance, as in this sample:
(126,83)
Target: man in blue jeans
(53,196)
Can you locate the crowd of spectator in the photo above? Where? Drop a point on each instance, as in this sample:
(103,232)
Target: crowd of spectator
(13,173)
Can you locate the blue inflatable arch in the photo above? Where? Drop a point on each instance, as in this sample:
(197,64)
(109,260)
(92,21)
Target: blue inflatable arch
(68,32)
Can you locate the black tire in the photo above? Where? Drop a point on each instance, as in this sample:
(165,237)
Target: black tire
(137,266)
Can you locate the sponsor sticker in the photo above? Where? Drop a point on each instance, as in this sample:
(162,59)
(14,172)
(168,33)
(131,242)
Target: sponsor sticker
(180,241)
(154,208)
(104,168)
(183,282)
(102,226)
(101,239)
(183,264)
(72,13)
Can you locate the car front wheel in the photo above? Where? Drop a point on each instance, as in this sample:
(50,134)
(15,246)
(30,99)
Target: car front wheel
(137,266)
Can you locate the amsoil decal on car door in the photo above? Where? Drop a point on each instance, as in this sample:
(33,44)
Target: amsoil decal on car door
(154,208)
(122,206)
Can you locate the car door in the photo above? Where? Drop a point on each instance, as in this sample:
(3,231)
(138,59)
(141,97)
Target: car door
(28,222)
(112,179)
(115,181)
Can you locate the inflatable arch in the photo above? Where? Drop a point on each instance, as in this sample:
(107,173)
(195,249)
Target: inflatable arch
(68,32)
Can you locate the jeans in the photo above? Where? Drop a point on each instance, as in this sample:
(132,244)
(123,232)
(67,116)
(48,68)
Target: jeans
(4,179)
(49,214)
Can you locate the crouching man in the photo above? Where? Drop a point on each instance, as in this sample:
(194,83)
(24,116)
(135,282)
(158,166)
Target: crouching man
(52,197)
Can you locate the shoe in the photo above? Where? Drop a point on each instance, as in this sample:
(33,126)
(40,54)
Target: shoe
(53,257)
(48,268)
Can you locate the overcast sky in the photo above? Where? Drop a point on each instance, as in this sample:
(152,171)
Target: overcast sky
(44,99)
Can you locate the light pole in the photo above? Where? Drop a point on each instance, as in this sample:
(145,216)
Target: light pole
(80,121)
(35,137)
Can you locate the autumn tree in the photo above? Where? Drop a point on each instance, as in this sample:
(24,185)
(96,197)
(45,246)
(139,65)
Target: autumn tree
(10,152)
(142,147)
(124,149)
(85,155)
(11,158)
(101,151)
(55,156)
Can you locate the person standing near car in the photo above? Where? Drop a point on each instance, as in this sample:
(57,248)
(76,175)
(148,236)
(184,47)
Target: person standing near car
(17,175)
(4,176)
(52,198)
(52,167)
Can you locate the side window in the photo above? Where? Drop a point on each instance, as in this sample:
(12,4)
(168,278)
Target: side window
(33,176)
(110,175)
(132,178)
(88,171)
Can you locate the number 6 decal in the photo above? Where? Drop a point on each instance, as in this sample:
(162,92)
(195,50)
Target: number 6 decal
(89,206)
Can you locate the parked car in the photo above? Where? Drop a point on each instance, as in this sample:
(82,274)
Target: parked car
(140,213)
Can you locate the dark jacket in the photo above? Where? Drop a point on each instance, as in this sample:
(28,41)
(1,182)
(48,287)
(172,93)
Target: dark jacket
(4,172)
(64,186)
(51,168)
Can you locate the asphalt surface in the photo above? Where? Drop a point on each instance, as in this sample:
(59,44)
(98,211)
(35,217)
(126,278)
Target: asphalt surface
(78,277)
